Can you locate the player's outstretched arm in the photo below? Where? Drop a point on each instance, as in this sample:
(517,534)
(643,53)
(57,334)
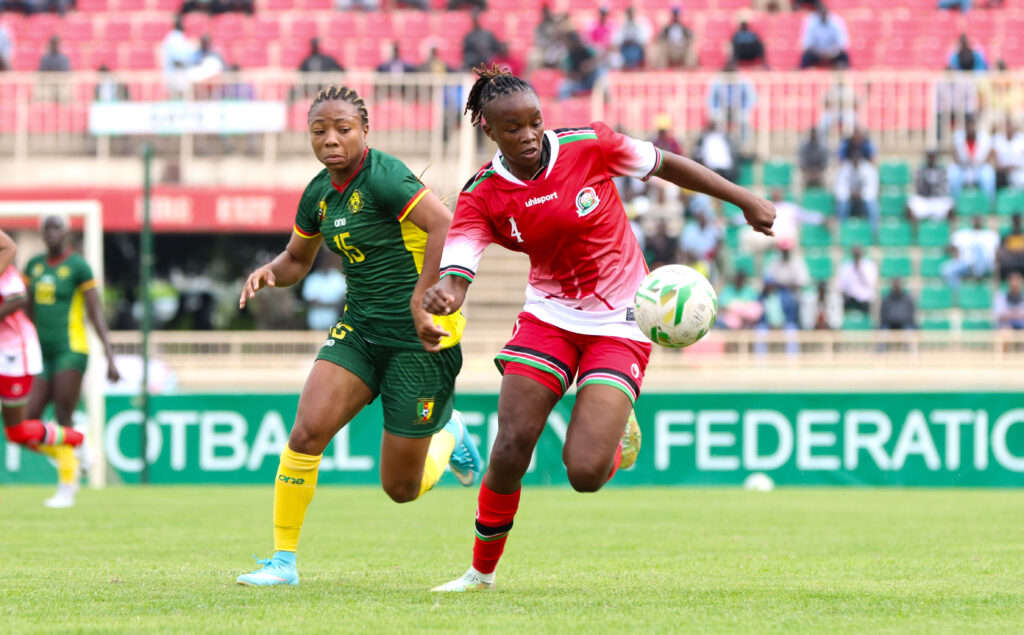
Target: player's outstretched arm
(433,217)
(760,213)
(289,267)
(447,296)
(7,251)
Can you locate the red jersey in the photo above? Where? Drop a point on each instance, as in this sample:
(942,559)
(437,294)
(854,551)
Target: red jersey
(20,354)
(585,263)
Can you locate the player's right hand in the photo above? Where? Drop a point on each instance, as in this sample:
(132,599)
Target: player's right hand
(444,298)
(760,214)
(262,277)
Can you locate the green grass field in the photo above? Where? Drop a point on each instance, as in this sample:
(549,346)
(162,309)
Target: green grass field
(623,560)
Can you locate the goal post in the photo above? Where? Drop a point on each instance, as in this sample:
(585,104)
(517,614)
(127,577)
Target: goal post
(91,213)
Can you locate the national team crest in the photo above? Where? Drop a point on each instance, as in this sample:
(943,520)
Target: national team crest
(426,410)
(586,201)
(37,270)
(63,272)
(355,202)
(323,210)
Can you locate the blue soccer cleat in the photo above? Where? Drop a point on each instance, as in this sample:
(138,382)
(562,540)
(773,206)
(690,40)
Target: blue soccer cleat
(465,461)
(279,569)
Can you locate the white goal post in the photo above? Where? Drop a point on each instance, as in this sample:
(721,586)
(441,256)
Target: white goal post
(95,377)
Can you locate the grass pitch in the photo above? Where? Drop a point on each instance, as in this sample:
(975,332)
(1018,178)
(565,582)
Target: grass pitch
(623,560)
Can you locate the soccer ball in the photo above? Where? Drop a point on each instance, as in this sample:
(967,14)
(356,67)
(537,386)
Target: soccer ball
(675,306)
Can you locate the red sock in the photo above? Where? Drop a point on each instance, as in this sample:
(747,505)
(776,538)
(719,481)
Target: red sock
(494,514)
(616,461)
(35,432)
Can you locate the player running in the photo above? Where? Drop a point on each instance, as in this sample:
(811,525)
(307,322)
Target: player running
(389,230)
(62,290)
(550,194)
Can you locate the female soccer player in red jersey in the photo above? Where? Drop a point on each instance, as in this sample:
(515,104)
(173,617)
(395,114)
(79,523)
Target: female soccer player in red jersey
(550,195)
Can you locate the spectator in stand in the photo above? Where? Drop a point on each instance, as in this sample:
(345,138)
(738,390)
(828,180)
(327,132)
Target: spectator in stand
(771,6)
(676,43)
(54,60)
(856,189)
(738,304)
(505,59)
(700,237)
(1010,257)
(965,58)
(324,292)
(599,35)
(479,46)
(1008,306)
(857,281)
(975,249)
(206,64)
(731,100)
(6,48)
(177,53)
(789,218)
(664,138)
(746,44)
(349,5)
(857,141)
(840,105)
(661,248)
(475,5)
(781,312)
(821,308)
(201,6)
(631,40)
(549,49)
(581,68)
(422,5)
(1008,151)
(824,39)
(790,270)
(108,87)
(396,65)
(931,197)
(963,5)
(972,150)
(898,312)
(813,158)
(317,61)
(717,151)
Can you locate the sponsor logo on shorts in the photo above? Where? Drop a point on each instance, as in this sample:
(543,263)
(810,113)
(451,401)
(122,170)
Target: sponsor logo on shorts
(425,408)
(586,201)
(290,480)
(630,315)
(538,200)
(635,370)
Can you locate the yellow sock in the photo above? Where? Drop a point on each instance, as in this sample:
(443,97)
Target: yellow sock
(441,446)
(67,462)
(293,491)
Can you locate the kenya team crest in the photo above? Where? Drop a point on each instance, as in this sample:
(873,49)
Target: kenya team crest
(425,407)
(586,201)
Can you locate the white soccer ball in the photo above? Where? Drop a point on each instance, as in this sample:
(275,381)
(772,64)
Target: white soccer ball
(759,482)
(675,306)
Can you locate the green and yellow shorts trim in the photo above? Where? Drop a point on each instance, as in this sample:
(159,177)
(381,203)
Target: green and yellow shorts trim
(416,388)
(58,361)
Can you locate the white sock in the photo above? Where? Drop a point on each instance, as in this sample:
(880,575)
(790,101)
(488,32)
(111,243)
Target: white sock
(484,577)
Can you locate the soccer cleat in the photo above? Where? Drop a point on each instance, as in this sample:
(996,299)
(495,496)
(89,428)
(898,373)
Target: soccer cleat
(277,570)
(630,442)
(64,498)
(84,450)
(472,580)
(465,461)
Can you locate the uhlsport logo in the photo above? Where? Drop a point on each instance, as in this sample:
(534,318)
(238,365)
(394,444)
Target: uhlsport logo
(586,201)
(537,200)
(355,202)
(290,480)
(425,407)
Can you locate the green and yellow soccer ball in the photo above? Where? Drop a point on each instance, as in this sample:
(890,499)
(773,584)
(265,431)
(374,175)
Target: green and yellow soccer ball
(675,306)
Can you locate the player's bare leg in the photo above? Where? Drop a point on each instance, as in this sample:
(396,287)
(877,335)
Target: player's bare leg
(592,443)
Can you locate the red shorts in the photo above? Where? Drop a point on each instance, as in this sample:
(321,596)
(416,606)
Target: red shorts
(14,391)
(552,356)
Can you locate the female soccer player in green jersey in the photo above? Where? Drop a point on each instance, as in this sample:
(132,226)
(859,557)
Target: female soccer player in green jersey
(62,291)
(389,230)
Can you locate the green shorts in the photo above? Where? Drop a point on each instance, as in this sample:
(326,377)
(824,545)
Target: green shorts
(416,388)
(63,359)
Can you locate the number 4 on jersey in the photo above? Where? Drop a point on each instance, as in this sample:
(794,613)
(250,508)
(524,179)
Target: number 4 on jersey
(515,230)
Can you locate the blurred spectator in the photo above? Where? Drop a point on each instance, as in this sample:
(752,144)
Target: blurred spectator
(821,308)
(504,58)
(108,87)
(206,64)
(176,50)
(476,5)
(661,248)
(965,58)
(825,40)
(581,69)
(599,34)
(747,47)
(235,87)
(857,281)
(664,139)
(781,311)
(931,197)
(859,141)
(789,218)
(813,159)
(963,5)
(54,60)
(700,237)
(318,62)
(676,43)
(452,93)
(856,189)
(789,271)
(839,107)
(190,6)
(897,312)
(1008,306)
(324,291)
(348,5)
(396,65)
(731,100)
(549,39)
(1008,151)
(1010,256)
(770,6)
(6,48)
(479,45)
(422,5)
(972,149)
(738,304)
(975,253)
(631,40)
(1000,93)
(717,151)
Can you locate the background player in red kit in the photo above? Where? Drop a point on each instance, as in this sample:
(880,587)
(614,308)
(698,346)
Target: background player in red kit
(550,195)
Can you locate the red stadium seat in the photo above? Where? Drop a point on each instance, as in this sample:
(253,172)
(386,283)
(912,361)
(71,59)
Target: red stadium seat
(42,117)
(77,28)
(154,29)
(196,24)
(343,26)
(317,5)
(8,116)
(93,6)
(264,28)
(26,58)
(139,56)
(291,54)
(379,26)
(546,81)
(302,29)
(229,27)
(451,25)
(366,54)
(126,6)
(297,119)
(167,5)
(39,27)
(117,29)
(281,5)
(252,55)
(103,52)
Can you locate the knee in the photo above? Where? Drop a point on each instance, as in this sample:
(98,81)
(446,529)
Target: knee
(510,455)
(402,492)
(587,478)
(305,441)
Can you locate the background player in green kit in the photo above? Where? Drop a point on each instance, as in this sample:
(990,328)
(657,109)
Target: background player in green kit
(62,291)
(389,230)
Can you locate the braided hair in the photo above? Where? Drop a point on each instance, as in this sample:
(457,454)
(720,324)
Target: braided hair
(344,93)
(490,84)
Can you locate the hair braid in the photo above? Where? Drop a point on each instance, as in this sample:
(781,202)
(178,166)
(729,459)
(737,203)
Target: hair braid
(490,84)
(343,93)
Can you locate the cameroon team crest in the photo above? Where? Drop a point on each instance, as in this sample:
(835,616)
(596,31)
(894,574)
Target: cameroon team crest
(323,210)
(586,201)
(37,270)
(355,202)
(426,409)
(63,272)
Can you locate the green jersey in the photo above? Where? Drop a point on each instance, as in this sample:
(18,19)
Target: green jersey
(366,221)
(57,289)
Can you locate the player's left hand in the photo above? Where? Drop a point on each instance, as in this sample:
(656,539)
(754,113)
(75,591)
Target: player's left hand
(760,214)
(430,334)
(112,373)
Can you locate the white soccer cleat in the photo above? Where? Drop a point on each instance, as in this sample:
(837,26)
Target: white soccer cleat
(472,580)
(84,450)
(64,498)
